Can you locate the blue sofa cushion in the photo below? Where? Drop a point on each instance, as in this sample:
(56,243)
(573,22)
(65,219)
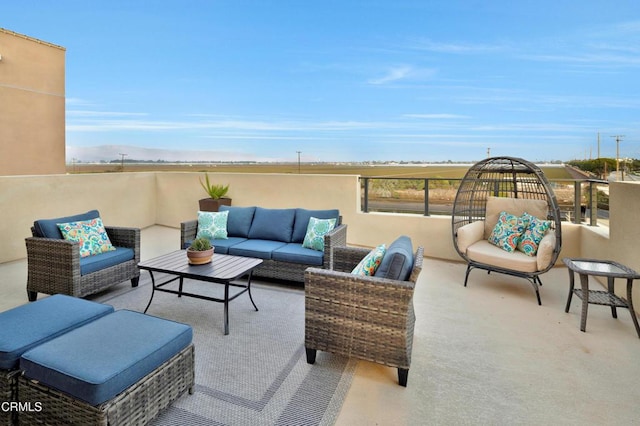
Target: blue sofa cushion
(221,246)
(239,220)
(397,262)
(295,253)
(48,228)
(100,261)
(261,249)
(302,221)
(99,360)
(29,325)
(272,224)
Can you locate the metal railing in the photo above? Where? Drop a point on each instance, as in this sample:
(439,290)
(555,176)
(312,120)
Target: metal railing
(581,200)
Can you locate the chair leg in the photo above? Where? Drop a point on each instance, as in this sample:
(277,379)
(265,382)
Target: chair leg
(311,355)
(135,281)
(466,276)
(32,295)
(403,375)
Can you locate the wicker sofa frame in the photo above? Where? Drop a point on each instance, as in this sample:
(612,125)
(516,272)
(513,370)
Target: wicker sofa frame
(360,316)
(275,269)
(504,177)
(53,265)
(137,405)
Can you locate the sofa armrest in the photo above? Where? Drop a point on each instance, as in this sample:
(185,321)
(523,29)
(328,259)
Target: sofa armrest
(545,250)
(469,234)
(336,238)
(125,237)
(188,231)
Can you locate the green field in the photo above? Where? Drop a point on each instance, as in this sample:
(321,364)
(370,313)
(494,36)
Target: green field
(446,171)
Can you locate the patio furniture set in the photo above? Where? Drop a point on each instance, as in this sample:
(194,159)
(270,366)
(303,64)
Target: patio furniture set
(358,302)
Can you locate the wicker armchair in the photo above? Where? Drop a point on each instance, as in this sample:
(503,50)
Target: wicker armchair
(365,317)
(53,265)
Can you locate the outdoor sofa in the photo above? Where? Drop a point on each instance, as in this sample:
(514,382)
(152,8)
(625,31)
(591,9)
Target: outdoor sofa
(275,235)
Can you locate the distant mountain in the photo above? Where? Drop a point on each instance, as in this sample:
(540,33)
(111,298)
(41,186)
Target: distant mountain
(92,154)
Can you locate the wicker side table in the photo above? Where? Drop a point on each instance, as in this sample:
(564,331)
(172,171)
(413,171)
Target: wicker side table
(601,268)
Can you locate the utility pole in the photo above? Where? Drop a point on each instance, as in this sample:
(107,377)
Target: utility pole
(598,144)
(488,152)
(299,152)
(122,161)
(618,139)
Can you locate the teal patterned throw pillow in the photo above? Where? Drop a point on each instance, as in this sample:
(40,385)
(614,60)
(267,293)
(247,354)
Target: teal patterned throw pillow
(316,230)
(213,225)
(533,234)
(371,261)
(90,234)
(507,231)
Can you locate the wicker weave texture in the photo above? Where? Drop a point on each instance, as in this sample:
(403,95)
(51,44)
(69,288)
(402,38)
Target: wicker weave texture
(53,265)
(137,405)
(364,317)
(276,269)
(8,393)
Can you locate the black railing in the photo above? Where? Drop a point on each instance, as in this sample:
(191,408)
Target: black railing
(580,200)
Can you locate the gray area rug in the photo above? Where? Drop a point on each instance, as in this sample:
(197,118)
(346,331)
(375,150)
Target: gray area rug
(256,375)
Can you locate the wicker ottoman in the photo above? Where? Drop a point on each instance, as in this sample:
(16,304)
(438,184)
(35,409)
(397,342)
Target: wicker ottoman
(27,326)
(122,369)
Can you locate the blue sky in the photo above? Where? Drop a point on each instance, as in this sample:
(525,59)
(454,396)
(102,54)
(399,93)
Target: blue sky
(346,80)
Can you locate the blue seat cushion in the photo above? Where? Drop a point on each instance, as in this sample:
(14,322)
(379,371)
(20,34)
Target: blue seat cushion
(100,261)
(302,221)
(99,360)
(239,220)
(295,253)
(261,249)
(272,224)
(221,246)
(48,228)
(27,326)
(397,262)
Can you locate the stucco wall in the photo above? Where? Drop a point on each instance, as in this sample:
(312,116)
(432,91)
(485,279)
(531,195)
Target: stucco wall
(32,106)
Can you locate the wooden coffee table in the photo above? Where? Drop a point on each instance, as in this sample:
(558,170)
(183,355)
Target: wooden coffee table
(223,269)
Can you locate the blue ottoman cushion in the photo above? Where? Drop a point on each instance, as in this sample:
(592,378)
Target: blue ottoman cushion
(397,262)
(27,326)
(99,360)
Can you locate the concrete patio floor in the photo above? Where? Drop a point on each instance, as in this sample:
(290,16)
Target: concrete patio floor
(485,354)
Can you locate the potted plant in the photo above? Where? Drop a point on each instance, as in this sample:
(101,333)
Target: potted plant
(200,251)
(216,196)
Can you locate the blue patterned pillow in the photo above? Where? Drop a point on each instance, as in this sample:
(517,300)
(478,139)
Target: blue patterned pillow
(371,261)
(90,234)
(507,232)
(213,225)
(316,230)
(533,234)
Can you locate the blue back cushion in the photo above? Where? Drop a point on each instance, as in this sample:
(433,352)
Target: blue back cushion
(397,262)
(48,228)
(29,325)
(302,221)
(272,224)
(239,220)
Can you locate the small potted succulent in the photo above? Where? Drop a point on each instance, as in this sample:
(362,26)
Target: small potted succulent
(216,196)
(200,251)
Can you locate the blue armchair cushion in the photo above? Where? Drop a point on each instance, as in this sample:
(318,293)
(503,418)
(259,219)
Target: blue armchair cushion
(272,224)
(295,253)
(398,260)
(29,325)
(99,360)
(302,221)
(239,220)
(48,228)
(105,260)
